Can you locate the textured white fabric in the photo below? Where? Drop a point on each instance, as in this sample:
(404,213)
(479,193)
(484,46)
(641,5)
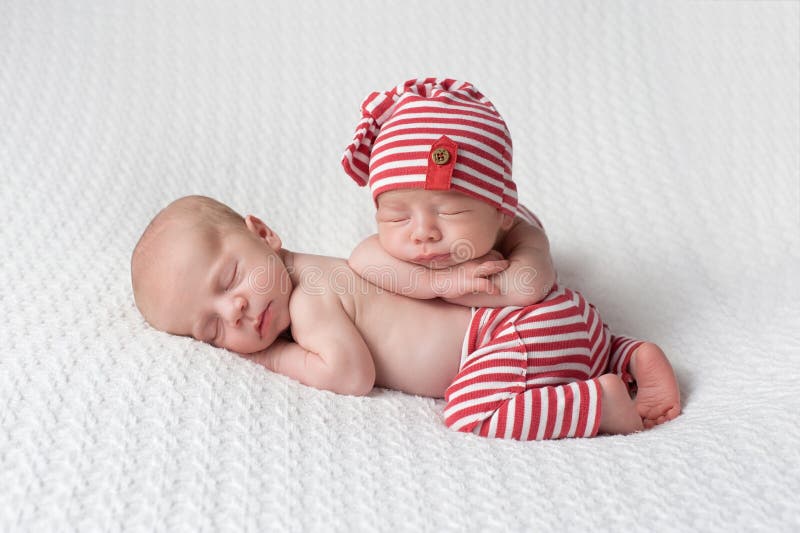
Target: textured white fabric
(658,142)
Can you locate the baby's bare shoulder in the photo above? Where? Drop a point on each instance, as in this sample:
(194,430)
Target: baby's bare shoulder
(312,311)
(322,285)
(329,277)
(313,299)
(317,273)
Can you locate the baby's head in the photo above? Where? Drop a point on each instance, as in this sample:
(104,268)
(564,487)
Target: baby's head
(202,270)
(437,157)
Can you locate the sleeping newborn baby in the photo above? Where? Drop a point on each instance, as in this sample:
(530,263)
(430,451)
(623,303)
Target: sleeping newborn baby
(436,155)
(201,270)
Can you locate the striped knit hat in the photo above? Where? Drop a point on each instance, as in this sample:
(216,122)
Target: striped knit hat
(436,134)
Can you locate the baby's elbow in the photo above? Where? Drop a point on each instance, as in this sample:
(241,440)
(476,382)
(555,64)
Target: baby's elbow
(361,256)
(355,261)
(365,382)
(523,299)
(354,382)
(360,386)
(529,292)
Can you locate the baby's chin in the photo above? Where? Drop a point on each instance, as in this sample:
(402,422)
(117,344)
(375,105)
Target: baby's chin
(442,261)
(436,263)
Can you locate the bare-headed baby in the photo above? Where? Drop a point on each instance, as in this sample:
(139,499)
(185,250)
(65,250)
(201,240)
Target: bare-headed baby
(202,270)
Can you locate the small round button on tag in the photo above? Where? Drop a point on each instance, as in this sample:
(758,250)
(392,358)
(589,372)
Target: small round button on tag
(440,156)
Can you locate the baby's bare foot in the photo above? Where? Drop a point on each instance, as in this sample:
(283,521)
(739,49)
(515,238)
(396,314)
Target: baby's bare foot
(658,398)
(619,415)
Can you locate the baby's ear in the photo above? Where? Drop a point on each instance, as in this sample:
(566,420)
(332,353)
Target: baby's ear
(263,232)
(507,221)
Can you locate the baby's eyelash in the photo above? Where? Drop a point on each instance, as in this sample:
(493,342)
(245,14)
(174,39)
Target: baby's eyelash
(233,277)
(216,332)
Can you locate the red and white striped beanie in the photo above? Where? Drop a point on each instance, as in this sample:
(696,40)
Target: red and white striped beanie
(436,134)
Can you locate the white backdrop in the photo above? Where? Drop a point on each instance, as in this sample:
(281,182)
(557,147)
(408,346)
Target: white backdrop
(658,142)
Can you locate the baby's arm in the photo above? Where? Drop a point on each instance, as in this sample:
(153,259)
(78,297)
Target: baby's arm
(370,261)
(530,274)
(330,353)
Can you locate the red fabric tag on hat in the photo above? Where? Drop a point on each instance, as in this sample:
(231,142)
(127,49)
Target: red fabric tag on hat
(441,161)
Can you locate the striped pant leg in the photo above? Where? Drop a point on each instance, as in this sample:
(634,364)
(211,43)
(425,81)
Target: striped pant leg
(499,390)
(622,349)
(550,412)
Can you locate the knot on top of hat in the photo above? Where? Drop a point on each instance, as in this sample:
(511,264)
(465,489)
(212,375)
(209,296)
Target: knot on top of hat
(355,160)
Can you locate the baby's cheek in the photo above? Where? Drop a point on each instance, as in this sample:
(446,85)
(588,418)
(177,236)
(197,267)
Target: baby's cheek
(391,243)
(473,246)
(237,342)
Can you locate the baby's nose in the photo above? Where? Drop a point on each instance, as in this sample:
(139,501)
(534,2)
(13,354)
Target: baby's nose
(426,231)
(237,309)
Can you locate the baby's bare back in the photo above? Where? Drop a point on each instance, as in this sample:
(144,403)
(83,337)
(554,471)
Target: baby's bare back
(415,344)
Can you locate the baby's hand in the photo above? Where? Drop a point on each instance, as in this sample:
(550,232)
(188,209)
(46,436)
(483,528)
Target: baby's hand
(471,277)
(487,265)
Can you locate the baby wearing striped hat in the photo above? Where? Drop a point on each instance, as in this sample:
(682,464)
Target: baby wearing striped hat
(437,157)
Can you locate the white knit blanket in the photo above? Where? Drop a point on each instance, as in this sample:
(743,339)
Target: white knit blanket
(658,142)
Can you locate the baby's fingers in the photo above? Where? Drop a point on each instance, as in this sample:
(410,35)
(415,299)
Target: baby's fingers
(489,268)
(482,285)
(492,255)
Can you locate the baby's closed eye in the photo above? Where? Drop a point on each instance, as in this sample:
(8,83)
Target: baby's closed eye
(210,332)
(391,216)
(230,284)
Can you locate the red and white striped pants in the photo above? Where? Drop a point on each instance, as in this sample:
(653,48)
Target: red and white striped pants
(530,373)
